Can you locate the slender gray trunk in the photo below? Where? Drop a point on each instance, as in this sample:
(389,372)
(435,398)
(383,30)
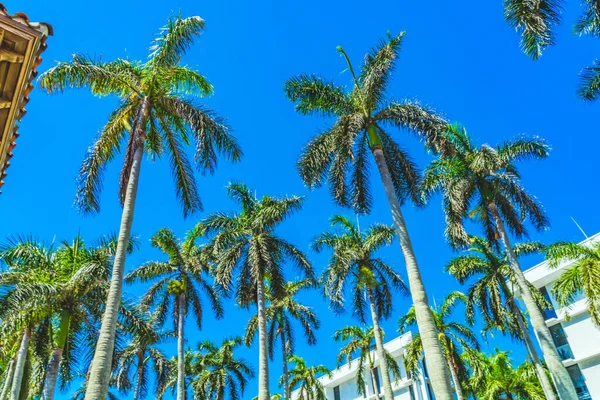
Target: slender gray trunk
(263,356)
(52,374)
(373,371)
(180,349)
(137,394)
(388,392)
(286,389)
(101,367)
(457,387)
(20,365)
(564,384)
(8,380)
(434,356)
(547,386)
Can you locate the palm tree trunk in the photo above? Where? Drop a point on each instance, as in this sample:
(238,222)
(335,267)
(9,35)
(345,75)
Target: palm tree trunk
(137,394)
(263,357)
(388,393)
(101,367)
(8,379)
(61,340)
(564,384)
(285,376)
(547,386)
(373,371)
(436,363)
(180,349)
(457,386)
(20,365)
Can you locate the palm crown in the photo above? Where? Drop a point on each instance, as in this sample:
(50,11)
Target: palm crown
(155,112)
(473,180)
(339,155)
(305,378)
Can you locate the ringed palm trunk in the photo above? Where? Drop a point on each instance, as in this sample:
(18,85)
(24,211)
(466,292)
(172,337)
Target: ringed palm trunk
(180,349)
(388,393)
(455,378)
(137,394)
(20,365)
(286,389)
(564,384)
(8,380)
(263,357)
(547,386)
(373,371)
(101,367)
(57,352)
(436,363)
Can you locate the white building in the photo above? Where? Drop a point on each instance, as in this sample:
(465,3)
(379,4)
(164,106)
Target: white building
(342,384)
(573,332)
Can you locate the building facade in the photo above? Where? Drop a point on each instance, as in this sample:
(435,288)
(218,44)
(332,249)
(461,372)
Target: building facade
(21,45)
(342,383)
(573,332)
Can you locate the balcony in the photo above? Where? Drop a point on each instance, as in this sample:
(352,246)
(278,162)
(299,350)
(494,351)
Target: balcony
(565,352)
(583,393)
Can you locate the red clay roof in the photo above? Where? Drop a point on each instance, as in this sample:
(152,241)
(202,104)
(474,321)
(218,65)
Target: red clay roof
(42,31)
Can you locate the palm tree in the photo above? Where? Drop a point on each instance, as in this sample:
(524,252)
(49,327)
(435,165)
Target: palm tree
(537,21)
(178,281)
(140,356)
(493,297)
(455,337)
(219,371)
(353,263)
(582,276)
(280,313)
(483,183)
(340,157)
(493,377)
(157,116)
(362,341)
(307,379)
(172,380)
(246,242)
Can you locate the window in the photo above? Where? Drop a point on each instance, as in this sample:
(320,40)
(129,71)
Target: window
(411,391)
(560,340)
(376,375)
(336,393)
(579,382)
(549,312)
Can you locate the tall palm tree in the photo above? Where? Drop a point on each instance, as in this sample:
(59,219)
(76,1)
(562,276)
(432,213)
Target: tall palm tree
(219,374)
(493,296)
(280,314)
(455,337)
(176,286)
(362,341)
(353,264)
(246,242)
(493,377)
(484,183)
(536,21)
(307,379)
(340,157)
(582,276)
(156,115)
(137,359)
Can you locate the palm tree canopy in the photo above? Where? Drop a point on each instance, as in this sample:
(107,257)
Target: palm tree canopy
(493,377)
(494,285)
(582,276)
(281,312)
(470,178)
(246,241)
(306,379)
(185,272)
(360,344)
(217,371)
(338,156)
(174,118)
(353,263)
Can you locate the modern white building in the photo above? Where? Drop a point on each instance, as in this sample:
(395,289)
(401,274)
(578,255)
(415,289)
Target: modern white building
(342,384)
(573,332)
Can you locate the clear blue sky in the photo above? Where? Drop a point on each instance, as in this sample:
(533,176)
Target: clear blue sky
(460,58)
